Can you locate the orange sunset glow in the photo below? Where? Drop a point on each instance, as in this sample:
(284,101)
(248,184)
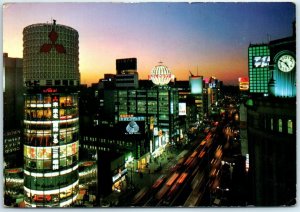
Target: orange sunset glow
(202,38)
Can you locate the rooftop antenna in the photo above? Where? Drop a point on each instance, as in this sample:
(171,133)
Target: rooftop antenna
(269,37)
(197,71)
(191,73)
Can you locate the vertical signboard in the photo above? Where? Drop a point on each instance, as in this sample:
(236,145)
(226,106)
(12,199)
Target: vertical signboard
(55,119)
(182,109)
(55,158)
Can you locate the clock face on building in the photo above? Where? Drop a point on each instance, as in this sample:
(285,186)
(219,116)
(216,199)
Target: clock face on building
(286,63)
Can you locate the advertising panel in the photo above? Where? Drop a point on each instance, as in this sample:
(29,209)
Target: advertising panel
(132,127)
(55,117)
(261,61)
(196,84)
(55,158)
(244,83)
(182,108)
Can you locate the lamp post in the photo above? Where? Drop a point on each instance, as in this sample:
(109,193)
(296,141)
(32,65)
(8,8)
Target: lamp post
(222,189)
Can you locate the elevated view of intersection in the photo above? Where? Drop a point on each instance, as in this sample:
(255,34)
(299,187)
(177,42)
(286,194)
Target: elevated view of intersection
(149,105)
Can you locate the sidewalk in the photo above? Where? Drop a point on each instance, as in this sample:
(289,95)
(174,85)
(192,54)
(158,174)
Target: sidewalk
(144,178)
(157,167)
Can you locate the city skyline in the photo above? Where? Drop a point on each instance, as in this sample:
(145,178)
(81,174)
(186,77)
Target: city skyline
(210,39)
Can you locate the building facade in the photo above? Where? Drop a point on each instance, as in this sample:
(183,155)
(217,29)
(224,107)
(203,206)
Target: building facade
(259,75)
(127,75)
(271,129)
(196,85)
(51,122)
(13,105)
(158,107)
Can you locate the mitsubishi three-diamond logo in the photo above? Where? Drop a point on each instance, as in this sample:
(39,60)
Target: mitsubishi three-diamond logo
(48,46)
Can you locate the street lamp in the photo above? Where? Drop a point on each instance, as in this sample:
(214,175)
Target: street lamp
(222,189)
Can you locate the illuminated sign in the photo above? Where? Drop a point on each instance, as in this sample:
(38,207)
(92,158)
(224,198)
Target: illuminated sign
(50,90)
(261,61)
(244,86)
(196,84)
(120,174)
(151,122)
(55,158)
(182,108)
(160,75)
(132,127)
(244,83)
(129,117)
(247,162)
(155,131)
(55,116)
(259,74)
(243,79)
(45,48)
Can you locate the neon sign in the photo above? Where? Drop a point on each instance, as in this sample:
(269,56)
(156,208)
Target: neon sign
(160,75)
(261,61)
(55,161)
(50,90)
(55,116)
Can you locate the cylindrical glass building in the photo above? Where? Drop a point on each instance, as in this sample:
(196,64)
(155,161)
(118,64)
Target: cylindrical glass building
(51,122)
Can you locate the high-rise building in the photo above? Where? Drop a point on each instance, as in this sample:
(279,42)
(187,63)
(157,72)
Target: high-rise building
(196,85)
(126,66)
(158,106)
(271,129)
(51,123)
(12,92)
(211,96)
(259,75)
(13,105)
(127,75)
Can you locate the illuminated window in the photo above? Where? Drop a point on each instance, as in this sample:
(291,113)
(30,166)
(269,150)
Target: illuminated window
(271,123)
(280,125)
(290,126)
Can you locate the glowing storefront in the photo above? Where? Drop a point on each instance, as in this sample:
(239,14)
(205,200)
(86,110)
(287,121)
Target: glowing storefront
(51,121)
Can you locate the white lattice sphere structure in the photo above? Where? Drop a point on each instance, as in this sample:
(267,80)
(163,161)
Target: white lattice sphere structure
(160,75)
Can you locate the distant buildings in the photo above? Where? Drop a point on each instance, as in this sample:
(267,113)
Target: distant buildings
(13,105)
(211,96)
(51,122)
(140,120)
(127,75)
(196,86)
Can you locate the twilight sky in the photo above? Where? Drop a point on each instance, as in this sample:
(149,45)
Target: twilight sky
(212,38)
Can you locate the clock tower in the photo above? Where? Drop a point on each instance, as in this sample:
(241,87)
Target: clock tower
(283,66)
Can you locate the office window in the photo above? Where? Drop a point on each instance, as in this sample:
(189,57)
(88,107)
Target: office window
(290,126)
(271,124)
(280,125)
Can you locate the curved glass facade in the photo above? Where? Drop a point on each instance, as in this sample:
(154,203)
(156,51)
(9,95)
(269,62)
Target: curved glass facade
(51,147)
(51,120)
